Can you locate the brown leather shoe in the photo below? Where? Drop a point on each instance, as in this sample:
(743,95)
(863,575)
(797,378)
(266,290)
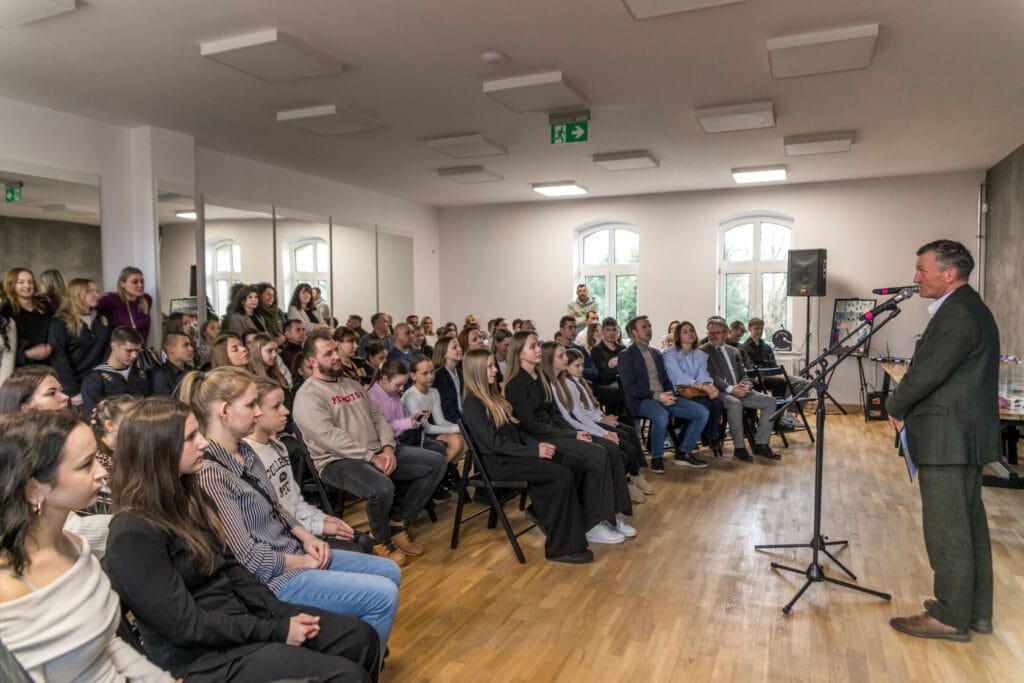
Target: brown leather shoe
(977,625)
(405,543)
(391,552)
(924,626)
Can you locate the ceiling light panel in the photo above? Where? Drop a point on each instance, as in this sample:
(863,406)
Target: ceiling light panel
(20,12)
(546,91)
(737,117)
(466,146)
(469,175)
(327,120)
(625,161)
(561,188)
(759,174)
(819,143)
(822,52)
(646,9)
(272,56)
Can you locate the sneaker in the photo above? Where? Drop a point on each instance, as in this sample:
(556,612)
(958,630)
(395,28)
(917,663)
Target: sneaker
(604,533)
(641,483)
(764,450)
(689,459)
(657,465)
(635,494)
(405,543)
(742,454)
(583,557)
(791,420)
(624,527)
(391,552)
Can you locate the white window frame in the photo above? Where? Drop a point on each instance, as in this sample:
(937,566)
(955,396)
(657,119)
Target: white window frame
(315,278)
(230,276)
(610,270)
(755,267)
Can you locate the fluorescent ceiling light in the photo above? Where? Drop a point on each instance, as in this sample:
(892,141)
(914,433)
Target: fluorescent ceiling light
(822,52)
(545,91)
(819,143)
(466,146)
(327,120)
(737,117)
(468,175)
(625,161)
(761,174)
(645,9)
(20,12)
(272,56)
(187,215)
(561,188)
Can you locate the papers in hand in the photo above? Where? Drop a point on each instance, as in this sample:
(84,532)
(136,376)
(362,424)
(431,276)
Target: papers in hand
(911,467)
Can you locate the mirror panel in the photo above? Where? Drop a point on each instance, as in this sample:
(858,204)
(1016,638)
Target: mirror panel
(176,218)
(303,252)
(239,249)
(354,273)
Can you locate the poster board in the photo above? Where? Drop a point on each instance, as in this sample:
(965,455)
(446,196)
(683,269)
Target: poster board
(845,317)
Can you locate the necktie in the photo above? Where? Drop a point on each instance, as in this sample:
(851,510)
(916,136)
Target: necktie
(728,364)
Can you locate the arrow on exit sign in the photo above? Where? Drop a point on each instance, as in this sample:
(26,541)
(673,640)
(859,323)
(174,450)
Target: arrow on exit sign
(566,133)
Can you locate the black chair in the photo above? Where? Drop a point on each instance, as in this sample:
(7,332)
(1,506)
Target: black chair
(475,474)
(675,430)
(764,376)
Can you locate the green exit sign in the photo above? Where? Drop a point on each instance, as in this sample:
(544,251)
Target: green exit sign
(12,194)
(566,133)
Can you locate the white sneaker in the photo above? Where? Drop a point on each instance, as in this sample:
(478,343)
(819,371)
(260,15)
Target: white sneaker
(641,483)
(622,527)
(604,533)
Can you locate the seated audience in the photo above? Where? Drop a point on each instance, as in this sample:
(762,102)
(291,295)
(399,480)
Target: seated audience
(499,347)
(606,359)
(582,304)
(53,288)
(352,366)
(31,315)
(105,421)
(727,370)
(355,323)
(759,354)
(301,308)
(294,335)
(229,350)
(121,373)
(423,398)
(419,343)
(177,347)
(602,483)
(448,376)
(380,334)
(687,368)
(8,342)
(402,347)
(79,337)
(667,342)
(649,394)
(58,615)
(320,304)
(509,452)
(264,361)
(243,318)
(566,337)
(207,335)
(585,337)
(354,450)
(471,338)
(429,337)
(200,613)
(733,337)
(376,354)
(269,312)
(129,306)
(33,387)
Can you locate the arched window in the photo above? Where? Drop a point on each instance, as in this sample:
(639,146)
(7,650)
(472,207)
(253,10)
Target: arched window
(753,266)
(310,264)
(225,272)
(608,260)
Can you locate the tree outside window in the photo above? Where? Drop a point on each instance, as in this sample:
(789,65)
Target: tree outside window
(753,268)
(608,258)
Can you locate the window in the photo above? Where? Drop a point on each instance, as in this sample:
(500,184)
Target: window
(227,267)
(311,265)
(608,258)
(753,269)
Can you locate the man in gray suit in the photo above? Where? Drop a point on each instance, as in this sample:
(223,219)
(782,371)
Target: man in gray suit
(948,404)
(725,365)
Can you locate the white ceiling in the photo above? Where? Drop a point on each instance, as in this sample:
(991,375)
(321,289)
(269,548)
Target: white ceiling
(945,90)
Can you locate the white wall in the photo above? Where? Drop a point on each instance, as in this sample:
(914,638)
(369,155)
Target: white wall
(515,260)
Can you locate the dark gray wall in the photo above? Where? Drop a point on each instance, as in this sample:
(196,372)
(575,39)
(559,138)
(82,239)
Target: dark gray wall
(1004,249)
(71,248)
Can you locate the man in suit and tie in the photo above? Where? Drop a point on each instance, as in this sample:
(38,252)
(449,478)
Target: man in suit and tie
(726,367)
(948,405)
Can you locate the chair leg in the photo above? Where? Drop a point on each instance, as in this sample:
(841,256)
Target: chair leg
(461,503)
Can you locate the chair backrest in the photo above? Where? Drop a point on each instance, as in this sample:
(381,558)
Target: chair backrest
(306,475)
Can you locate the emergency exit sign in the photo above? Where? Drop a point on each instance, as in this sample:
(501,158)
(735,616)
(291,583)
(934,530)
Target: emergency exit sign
(12,194)
(566,133)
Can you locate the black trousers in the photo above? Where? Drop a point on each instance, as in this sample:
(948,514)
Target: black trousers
(552,490)
(617,462)
(629,443)
(591,468)
(610,396)
(346,650)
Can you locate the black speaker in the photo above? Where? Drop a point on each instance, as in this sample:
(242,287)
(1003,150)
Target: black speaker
(192,281)
(874,409)
(807,272)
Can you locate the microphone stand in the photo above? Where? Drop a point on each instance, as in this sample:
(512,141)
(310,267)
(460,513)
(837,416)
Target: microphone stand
(815,573)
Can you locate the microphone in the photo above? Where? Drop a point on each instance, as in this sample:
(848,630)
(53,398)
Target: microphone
(890,304)
(886,291)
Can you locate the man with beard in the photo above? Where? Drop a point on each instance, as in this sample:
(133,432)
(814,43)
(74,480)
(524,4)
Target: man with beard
(354,450)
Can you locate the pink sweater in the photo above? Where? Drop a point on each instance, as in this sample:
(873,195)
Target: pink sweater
(391,406)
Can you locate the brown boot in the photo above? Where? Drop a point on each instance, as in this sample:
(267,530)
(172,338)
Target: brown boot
(925,626)
(390,551)
(405,543)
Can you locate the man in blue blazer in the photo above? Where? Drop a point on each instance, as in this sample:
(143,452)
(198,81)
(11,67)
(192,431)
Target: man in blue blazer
(948,405)
(650,394)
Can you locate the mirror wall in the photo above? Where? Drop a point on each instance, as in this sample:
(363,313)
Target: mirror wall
(239,240)
(176,221)
(303,252)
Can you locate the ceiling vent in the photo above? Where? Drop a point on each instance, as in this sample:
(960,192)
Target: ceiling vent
(327,120)
(737,117)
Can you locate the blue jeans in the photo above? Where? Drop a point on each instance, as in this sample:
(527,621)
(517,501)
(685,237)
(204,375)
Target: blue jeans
(356,585)
(659,414)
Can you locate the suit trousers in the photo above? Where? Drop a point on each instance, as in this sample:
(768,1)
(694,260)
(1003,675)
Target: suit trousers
(591,469)
(620,487)
(956,538)
(734,406)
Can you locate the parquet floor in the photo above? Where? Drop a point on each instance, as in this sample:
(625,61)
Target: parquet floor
(690,600)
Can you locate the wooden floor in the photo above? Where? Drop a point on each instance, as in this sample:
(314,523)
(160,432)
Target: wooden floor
(690,600)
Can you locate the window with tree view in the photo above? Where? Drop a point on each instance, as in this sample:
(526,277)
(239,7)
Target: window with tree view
(752,263)
(608,258)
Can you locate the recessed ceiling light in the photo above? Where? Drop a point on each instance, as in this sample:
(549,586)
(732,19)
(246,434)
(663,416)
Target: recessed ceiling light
(270,55)
(468,175)
(737,117)
(561,188)
(187,215)
(466,146)
(535,92)
(645,9)
(625,161)
(494,57)
(760,174)
(822,52)
(327,120)
(819,143)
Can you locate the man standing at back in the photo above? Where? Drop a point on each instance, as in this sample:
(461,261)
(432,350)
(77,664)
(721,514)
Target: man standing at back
(948,405)
(582,304)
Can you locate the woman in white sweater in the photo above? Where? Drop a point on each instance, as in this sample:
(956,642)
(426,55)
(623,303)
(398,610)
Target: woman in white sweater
(58,614)
(422,396)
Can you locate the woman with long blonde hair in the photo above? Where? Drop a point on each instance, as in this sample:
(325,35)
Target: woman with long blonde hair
(265,361)
(79,337)
(129,306)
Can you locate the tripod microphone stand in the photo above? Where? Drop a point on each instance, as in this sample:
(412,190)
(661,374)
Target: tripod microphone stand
(815,573)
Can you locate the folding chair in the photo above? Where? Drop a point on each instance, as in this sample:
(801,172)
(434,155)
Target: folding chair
(474,474)
(306,474)
(779,371)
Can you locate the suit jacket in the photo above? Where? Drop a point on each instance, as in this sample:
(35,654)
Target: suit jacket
(449,393)
(633,376)
(719,371)
(949,397)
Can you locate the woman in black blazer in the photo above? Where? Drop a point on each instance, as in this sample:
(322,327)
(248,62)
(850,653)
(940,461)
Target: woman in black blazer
(448,376)
(79,337)
(200,613)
